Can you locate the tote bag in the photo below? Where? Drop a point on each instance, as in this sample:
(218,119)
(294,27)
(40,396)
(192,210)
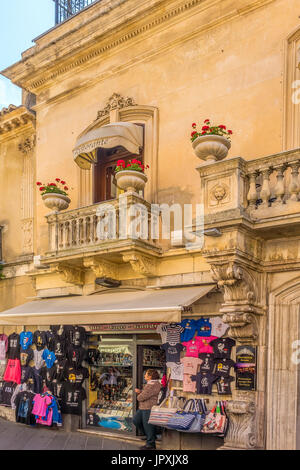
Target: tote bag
(215,422)
(160,414)
(199,421)
(183,419)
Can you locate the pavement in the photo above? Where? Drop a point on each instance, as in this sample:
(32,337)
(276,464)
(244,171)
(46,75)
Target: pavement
(16,436)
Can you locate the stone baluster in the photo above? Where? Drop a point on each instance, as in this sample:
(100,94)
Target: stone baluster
(265,190)
(294,183)
(77,237)
(279,190)
(252,193)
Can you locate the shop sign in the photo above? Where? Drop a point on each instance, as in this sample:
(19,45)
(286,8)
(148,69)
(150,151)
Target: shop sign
(125,327)
(246,367)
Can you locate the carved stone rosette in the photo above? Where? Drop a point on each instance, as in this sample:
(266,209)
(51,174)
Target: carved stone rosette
(242,427)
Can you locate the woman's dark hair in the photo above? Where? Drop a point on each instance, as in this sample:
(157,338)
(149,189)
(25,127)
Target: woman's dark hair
(153,374)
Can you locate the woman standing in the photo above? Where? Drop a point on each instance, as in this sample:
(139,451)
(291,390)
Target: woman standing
(147,398)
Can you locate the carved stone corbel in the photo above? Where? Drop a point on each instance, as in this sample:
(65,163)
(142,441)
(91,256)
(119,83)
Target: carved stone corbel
(241,432)
(142,265)
(69,273)
(101,268)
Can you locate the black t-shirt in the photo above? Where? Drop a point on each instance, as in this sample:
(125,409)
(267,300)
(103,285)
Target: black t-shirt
(76,335)
(222,347)
(60,347)
(223,385)
(223,367)
(172,352)
(24,405)
(50,337)
(77,376)
(27,375)
(204,382)
(40,339)
(56,388)
(208,363)
(54,374)
(7,392)
(13,350)
(72,396)
(26,355)
(75,356)
(93,356)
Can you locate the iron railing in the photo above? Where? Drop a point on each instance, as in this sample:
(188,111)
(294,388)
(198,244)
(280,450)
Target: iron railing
(64,9)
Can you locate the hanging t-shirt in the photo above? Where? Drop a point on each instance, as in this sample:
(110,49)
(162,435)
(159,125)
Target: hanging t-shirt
(204,343)
(13,371)
(172,352)
(60,347)
(27,375)
(192,348)
(77,376)
(24,404)
(208,362)
(50,337)
(176,370)
(3,364)
(49,358)
(3,346)
(218,327)
(7,392)
(26,355)
(223,385)
(190,327)
(72,396)
(188,384)
(173,331)
(40,339)
(204,382)
(37,380)
(204,327)
(13,351)
(26,338)
(76,356)
(56,389)
(38,358)
(223,367)
(190,364)
(93,356)
(162,332)
(76,335)
(222,347)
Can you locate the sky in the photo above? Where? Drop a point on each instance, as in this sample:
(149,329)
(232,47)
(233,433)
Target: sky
(20,22)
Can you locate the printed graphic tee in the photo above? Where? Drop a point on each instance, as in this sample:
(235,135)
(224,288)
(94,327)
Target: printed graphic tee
(222,347)
(49,358)
(3,346)
(76,355)
(190,364)
(26,355)
(7,392)
(204,382)
(218,327)
(172,352)
(173,331)
(26,338)
(40,339)
(76,335)
(223,385)
(223,367)
(38,358)
(188,384)
(208,362)
(13,351)
(162,332)
(190,327)
(204,343)
(72,396)
(192,348)
(176,370)
(204,327)
(75,375)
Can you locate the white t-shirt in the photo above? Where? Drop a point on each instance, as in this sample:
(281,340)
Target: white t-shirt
(161,332)
(176,370)
(218,327)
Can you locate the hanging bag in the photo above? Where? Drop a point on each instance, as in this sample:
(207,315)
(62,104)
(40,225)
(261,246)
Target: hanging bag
(201,411)
(160,414)
(183,419)
(215,422)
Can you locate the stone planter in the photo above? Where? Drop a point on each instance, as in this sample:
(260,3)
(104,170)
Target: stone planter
(57,202)
(131,180)
(211,148)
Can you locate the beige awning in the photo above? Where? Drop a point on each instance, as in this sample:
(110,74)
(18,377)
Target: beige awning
(109,306)
(125,134)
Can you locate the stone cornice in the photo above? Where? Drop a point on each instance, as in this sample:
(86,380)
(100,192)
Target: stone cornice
(45,63)
(13,119)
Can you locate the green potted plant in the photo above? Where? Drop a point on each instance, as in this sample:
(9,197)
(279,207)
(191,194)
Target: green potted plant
(212,143)
(131,177)
(54,195)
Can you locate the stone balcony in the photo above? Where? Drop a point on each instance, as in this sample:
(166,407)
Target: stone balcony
(263,193)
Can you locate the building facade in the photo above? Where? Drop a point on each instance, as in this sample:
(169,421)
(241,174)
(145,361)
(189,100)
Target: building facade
(162,65)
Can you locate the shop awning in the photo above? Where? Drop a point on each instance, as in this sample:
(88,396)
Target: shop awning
(125,134)
(108,306)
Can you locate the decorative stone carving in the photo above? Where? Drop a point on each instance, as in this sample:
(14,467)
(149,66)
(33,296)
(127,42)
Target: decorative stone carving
(243,326)
(69,273)
(28,144)
(142,265)
(27,235)
(101,268)
(116,101)
(241,432)
(237,282)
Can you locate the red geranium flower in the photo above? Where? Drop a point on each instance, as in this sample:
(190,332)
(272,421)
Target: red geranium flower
(57,179)
(129,164)
(63,182)
(121,163)
(39,184)
(52,184)
(66,188)
(207,120)
(42,188)
(193,133)
(229,132)
(205,128)
(222,126)
(194,124)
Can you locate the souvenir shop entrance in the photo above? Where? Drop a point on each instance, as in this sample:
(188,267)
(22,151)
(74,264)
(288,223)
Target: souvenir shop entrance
(118,357)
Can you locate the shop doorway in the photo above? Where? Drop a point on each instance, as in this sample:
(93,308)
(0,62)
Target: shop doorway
(117,365)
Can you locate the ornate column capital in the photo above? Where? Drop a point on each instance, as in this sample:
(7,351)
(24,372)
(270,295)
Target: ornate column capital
(141,264)
(101,267)
(69,273)
(241,432)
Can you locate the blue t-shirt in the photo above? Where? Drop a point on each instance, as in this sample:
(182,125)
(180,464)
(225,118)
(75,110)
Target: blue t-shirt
(190,327)
(26,338)
(204,327)
(49,358)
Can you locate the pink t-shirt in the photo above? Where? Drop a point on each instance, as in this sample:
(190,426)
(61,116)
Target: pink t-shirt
(47,422)
(192,348)
(188,385)
(40,405)
(190,364)
(203,343)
